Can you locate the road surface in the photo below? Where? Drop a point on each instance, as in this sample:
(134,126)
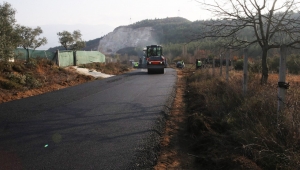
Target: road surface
(113,123)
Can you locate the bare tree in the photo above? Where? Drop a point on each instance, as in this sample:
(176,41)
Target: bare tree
(269,23)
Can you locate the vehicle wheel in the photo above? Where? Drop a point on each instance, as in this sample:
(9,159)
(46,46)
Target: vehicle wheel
(162,71)
(149,71)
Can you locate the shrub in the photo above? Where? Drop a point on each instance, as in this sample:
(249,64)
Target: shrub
(17,78)
(239,64)
(124,68)
(221,119)
(32,82)
(5,66)
(18,67)
(273,64)
(32,63)
(293,64)
(44,62)
(255,67)
(9,85)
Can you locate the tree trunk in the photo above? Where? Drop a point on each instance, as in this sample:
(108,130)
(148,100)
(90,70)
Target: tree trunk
(227,65)
(265,69)
(27,57)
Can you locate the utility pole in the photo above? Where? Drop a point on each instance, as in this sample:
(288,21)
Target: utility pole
(221,63)
(282,85)
(227,65)
(245,68)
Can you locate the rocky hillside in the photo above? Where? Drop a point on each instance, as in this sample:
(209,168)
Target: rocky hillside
(132,38)
(125,37)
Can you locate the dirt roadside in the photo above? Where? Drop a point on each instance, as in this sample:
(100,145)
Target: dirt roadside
(174,142)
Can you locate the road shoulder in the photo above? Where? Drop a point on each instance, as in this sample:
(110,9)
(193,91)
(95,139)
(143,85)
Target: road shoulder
(174,144)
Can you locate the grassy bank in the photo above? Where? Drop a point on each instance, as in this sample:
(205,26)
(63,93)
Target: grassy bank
(229,130)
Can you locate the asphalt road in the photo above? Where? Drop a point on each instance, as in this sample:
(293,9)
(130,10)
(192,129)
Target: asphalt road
(113,123)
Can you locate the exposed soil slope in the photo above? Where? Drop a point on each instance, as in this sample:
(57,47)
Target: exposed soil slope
(19,80)
(52,80)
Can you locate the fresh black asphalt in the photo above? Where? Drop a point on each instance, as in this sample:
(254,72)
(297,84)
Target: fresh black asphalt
(113,123)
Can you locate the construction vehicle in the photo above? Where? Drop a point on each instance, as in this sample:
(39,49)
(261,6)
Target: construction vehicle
(155,62)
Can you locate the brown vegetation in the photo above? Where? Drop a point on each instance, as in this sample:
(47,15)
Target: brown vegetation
(19,80)
(232,131)
(108,68)
(217,127)
(174,152)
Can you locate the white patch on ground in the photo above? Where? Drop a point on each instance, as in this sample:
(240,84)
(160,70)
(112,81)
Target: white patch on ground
(93,73)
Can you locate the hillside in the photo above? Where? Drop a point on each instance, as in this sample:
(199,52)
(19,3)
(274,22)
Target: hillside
(168,30)
(171,30)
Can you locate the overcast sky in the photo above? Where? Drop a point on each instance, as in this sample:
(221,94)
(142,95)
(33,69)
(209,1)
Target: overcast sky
(111,13)
(94,12)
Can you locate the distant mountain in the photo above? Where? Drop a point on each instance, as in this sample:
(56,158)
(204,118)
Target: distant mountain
(170,30)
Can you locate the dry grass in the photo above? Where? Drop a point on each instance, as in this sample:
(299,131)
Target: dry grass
(108,68)
(227,126)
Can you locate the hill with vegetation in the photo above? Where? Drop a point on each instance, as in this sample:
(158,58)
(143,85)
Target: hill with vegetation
(170,30)
(167,31)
